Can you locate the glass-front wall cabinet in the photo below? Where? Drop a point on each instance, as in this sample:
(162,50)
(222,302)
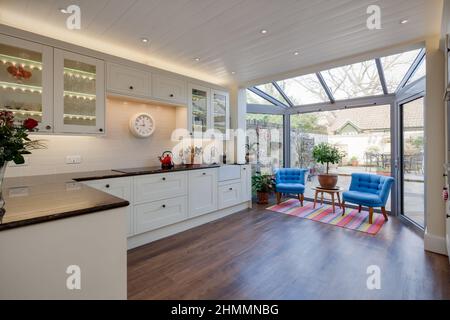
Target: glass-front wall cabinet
(221,112)
(199,105)
(79,90)
(26,81)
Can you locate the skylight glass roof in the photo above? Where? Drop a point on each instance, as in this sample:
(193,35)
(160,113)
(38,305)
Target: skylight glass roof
(348,82)
(270,89)
(304,90)
(253,98)
(396,66)
(420,72)
(354,81)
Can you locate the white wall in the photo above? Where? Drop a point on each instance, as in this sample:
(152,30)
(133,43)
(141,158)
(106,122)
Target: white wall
(435,148)
(117,149)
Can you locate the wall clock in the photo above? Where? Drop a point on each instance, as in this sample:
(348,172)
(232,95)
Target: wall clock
(142,125)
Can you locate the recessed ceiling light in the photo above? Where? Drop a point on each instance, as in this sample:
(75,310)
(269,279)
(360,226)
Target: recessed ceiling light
(233,72)
(264,31)
(404,21)
(197,59)
(296,53)
(145,40)
(63,10)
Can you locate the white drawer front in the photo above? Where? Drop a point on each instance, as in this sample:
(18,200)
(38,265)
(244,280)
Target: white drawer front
(229,195)
(202,192)
(121,188)
(128,81)
(159,186)
(169,89)
(158,214)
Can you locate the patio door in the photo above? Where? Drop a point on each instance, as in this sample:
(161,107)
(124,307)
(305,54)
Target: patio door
(411,166)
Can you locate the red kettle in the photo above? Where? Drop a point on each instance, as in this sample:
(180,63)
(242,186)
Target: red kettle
(166,160)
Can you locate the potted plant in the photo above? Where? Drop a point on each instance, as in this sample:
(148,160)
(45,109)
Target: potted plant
(354,161)
(327,154)
(262,185)
(14,142)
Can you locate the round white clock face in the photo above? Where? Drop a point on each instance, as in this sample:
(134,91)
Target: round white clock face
(142,125)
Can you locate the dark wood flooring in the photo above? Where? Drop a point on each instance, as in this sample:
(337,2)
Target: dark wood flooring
(258,254)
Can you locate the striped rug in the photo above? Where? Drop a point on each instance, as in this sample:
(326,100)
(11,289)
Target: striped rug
(324,213)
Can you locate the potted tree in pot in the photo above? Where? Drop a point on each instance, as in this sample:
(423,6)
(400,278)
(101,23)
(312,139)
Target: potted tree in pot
(262,185)
(327,154)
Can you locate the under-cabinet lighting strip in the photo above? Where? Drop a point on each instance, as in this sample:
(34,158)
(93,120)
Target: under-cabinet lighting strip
(39,113)
(21,62)
(21,87)
(34,89)
(79,95)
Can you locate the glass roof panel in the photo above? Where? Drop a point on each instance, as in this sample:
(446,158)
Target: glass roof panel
(396,66)
(253,98)
(270,89)
(304,90)
(354,81)
(420,72)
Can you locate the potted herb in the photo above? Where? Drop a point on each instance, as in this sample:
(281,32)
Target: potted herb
(262,185)
(354,161)
(327,154)
(14,142)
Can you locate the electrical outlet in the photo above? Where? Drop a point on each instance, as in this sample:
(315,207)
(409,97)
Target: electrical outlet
(73,159)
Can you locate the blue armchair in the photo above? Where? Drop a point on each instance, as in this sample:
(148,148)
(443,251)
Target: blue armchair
(290,181)
(369,190)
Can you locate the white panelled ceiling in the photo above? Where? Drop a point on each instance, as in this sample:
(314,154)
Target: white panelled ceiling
(225,34)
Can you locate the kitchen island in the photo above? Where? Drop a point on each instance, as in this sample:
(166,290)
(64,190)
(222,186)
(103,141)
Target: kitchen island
(66,236)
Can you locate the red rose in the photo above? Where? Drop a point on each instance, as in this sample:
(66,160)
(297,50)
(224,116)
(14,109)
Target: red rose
(30,124)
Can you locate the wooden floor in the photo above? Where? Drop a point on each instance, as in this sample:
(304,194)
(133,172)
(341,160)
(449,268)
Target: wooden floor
(258,254)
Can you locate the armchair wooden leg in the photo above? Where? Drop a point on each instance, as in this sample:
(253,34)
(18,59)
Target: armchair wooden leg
(343,208)
(383,209)
(370,215)
(301,198)
(278,197)
(360,209)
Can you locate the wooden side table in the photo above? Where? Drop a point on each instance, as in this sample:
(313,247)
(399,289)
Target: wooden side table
(332,192)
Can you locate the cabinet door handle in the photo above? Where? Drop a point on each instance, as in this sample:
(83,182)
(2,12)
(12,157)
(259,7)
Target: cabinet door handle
(164,179)
(231,189)
(131,87)
(171,95)
(48,128)
(101,130)
(163,205)
(204,173)
(107,186)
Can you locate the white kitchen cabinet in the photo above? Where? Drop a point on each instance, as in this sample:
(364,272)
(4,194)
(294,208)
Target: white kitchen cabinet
(121,188)
(155,187)
(169,89)
(220,112)
(128,81)
(26,81)
(199,109)
(229,194)
(158,214)
(202,192)
(79,93)
(246,183)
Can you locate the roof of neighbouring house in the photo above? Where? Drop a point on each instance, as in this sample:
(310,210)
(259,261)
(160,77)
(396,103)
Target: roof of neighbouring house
(374,118)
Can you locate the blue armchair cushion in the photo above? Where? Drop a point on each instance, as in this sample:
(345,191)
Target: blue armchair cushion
(290,181)
(369,190)
(290,188)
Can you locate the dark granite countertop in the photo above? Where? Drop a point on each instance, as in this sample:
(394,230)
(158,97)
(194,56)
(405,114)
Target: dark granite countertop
(38,199)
